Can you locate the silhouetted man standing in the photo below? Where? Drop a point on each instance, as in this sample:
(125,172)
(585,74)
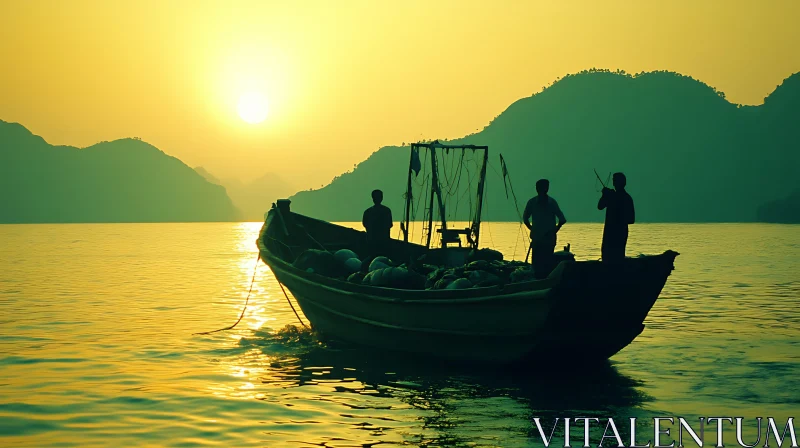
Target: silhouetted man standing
(619,213)
(378,222)
(540,218)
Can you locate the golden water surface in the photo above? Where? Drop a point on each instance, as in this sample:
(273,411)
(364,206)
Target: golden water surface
(96,346)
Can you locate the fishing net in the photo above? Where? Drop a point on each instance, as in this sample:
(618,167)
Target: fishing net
(445,187)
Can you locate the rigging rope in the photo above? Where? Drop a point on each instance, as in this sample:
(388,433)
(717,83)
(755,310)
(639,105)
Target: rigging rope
(458,184)
(506,174)
(488,221)
(419,180)
(415,209)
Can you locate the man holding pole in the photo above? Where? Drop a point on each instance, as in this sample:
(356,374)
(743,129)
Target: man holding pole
(540,218)
(619,214)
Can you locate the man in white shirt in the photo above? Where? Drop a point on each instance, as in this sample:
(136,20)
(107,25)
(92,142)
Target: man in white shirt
(540,218)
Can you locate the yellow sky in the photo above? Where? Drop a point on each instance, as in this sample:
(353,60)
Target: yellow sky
(345,77)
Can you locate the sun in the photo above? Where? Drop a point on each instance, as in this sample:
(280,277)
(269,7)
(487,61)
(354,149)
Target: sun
(252,107)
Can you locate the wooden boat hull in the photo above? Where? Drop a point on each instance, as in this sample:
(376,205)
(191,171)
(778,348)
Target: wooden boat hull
(584,310)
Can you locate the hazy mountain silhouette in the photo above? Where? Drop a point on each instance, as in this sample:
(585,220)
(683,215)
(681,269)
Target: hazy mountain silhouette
(252,198)
(782,211)
(124,180)
(688,153)
(207,176)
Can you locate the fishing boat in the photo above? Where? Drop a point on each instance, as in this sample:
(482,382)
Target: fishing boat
(580,311)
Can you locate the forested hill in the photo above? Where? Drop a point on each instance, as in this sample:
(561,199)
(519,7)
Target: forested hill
(124,180)
(688,153)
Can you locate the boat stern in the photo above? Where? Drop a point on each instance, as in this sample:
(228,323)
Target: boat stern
(600,307)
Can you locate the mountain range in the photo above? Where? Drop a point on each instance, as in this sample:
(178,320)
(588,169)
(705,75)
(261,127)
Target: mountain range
(689,154)
(255,197)
(124,180)
(783,211)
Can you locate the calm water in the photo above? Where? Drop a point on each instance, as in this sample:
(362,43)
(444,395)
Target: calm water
(96,346)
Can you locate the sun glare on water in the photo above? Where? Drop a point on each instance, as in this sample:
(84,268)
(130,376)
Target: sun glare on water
(252,107)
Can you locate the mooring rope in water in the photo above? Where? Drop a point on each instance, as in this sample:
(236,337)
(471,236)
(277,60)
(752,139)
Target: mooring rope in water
(290,303)
(247,300)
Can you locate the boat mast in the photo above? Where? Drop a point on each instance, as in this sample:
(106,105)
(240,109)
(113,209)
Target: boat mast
(436,189)
(430,208)
(476,224)
(408,193)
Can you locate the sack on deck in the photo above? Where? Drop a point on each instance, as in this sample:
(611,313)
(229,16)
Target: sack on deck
(320,262)
(399,278)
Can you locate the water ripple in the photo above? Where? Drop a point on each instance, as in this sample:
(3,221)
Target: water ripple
(96,346)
